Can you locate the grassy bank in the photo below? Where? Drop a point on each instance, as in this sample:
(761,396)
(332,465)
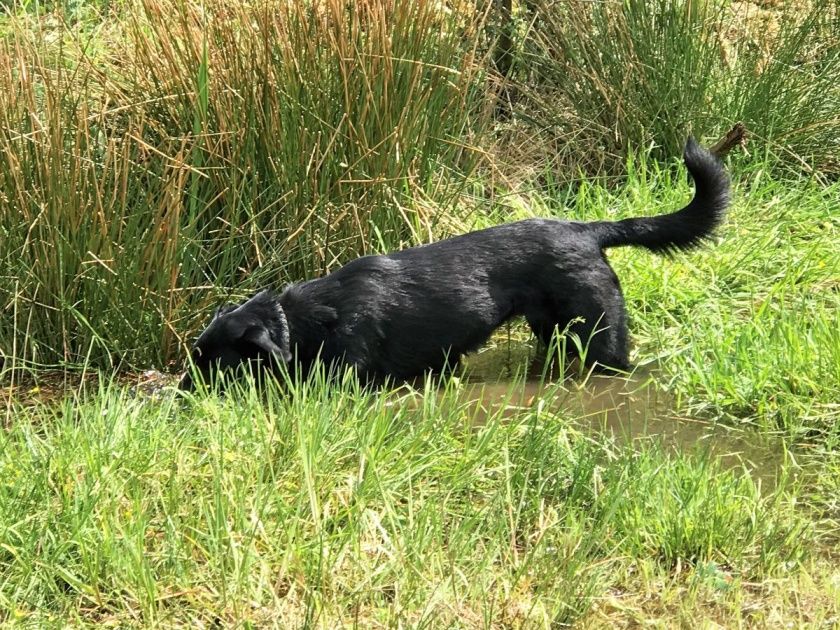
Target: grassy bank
(608,78)
(339,508)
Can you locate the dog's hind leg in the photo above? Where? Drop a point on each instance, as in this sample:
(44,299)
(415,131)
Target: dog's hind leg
(594,312)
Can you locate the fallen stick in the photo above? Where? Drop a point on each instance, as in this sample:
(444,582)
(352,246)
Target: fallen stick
(737,136)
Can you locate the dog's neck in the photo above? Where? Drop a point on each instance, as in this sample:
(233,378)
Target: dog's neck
(307,317)
(281,330)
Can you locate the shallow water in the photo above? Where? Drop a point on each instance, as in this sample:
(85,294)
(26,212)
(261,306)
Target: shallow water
(627,410)
(630,410)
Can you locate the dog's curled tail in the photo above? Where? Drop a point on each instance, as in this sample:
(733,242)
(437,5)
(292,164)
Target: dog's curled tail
(685,228)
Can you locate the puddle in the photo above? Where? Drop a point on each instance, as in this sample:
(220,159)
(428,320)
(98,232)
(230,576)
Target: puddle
(628,410)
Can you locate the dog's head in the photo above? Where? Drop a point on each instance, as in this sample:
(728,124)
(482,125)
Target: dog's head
(253,335)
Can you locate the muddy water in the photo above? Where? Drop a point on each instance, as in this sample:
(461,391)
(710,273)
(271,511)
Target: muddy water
(630,411)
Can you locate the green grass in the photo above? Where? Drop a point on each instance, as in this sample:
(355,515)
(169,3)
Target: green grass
(335,506)
(599,80)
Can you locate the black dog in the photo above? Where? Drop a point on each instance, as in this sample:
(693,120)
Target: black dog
(402,314)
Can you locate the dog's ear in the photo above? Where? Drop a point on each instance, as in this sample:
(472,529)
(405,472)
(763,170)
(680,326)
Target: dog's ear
(260,337)
(260,323)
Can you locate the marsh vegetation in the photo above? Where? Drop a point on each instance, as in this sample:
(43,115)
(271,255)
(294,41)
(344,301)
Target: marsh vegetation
(159,157)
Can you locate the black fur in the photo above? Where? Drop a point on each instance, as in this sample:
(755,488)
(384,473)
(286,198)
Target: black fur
(399,315)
